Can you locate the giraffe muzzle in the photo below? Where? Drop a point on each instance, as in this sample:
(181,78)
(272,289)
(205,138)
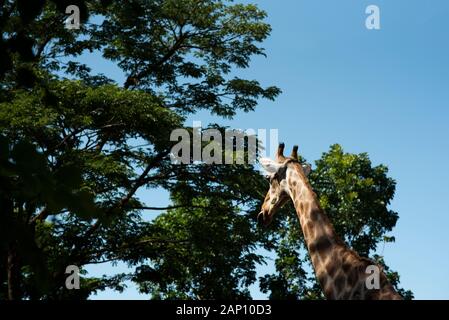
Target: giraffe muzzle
(263,219)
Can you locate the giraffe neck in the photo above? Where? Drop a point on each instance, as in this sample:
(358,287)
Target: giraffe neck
(341,272)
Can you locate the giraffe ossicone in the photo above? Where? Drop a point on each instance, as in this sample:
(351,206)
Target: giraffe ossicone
(341,272)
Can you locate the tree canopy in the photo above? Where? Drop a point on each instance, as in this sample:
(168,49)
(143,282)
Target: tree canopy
(76,147)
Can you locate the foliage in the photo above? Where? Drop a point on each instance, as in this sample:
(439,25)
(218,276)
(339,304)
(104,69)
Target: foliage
(209,254)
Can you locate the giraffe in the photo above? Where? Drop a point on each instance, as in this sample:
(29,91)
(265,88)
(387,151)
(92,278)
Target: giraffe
(341,272)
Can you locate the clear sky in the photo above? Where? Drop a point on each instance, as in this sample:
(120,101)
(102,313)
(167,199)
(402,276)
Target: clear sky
(384,92)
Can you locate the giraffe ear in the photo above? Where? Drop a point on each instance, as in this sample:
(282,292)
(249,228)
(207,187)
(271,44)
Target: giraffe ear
(269,165)
(307,168)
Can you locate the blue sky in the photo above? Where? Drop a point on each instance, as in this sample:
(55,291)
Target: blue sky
(384,92)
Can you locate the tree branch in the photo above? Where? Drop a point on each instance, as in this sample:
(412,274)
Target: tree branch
(133,80)
(138,183)
(168,208)
(41,216)
(130,245)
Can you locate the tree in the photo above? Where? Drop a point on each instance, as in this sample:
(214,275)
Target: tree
(76,147)
(114,140)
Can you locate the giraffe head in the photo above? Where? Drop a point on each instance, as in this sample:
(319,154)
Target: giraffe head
(278,194)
